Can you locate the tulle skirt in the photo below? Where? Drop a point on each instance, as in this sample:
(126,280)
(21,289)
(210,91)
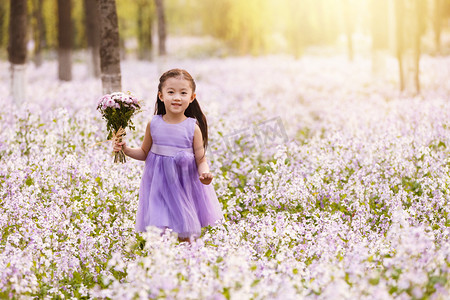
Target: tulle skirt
(172,196)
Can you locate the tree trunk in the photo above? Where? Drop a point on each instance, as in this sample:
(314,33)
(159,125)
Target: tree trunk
(64,40)
(17,48)
(3,19)
(418,9)
(91,15)
(161,26)
(109,47)
(140,25)
(437,22)
(399,21)
(145,22)
(38,32)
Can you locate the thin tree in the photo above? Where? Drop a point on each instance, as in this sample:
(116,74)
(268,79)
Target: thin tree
(144,24)
(38,32)
(109,47)
(17,48)
(92,24)
(64,40)
(399,22)
(161,26)
(420,26)
(4,11)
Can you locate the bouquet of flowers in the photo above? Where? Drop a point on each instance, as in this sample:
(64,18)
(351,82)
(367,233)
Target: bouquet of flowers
(117,109)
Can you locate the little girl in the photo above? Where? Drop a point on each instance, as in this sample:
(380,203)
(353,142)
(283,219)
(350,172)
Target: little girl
(175,191)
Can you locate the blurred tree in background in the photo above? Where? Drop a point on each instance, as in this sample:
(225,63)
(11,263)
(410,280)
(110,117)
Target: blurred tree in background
(4,24)
(403,28)
(92,23)
(64,40)
(38,29)
(109,47)
(161,17)
(144,24)
(17,51)
(245,27)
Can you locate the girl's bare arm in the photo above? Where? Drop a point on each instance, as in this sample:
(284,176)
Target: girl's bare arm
(199,151)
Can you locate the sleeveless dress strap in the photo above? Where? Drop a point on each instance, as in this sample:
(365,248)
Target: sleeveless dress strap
(192,128)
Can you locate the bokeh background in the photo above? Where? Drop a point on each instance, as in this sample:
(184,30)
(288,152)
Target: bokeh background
(207,28)
(329,140)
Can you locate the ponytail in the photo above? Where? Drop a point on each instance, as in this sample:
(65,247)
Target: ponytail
(194,111)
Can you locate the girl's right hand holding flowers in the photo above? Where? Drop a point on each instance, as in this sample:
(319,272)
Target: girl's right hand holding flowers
(117,146)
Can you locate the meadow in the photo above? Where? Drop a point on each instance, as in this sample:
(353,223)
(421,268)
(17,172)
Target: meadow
(334,185)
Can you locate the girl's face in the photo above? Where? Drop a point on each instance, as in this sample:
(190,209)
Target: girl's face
(176,95)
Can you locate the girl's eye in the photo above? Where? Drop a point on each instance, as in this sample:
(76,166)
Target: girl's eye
(170,92)
(184,93)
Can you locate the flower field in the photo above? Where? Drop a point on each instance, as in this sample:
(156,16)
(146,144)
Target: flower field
(333,184)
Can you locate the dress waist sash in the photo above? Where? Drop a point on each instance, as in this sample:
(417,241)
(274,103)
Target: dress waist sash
(168,150)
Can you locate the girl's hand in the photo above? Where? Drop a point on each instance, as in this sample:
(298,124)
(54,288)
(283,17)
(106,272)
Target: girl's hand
(118,146)
(206,178)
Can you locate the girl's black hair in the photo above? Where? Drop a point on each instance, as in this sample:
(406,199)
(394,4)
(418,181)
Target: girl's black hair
(193,110)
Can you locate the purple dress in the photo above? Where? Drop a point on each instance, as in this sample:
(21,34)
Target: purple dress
(171,194)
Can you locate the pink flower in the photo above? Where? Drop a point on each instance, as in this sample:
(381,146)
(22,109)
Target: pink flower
(106,98)
(110,103)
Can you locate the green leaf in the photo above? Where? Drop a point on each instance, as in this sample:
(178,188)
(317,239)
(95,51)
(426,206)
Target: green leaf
(226,292)
(29,181)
